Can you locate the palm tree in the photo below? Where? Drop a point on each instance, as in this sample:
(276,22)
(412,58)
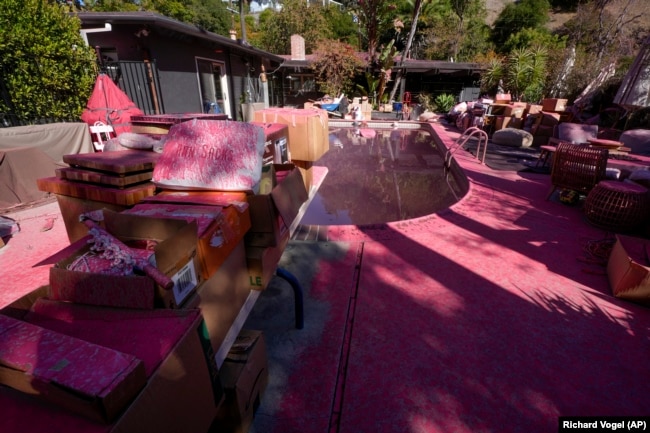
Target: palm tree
(417,7)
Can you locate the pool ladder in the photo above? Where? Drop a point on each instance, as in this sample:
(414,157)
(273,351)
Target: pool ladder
(473,132)
(470,133)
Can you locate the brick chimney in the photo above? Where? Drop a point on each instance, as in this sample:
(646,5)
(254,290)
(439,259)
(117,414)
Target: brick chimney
(297,47)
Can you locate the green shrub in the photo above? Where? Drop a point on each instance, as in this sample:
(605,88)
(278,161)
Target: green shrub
(445,102)
(47,68)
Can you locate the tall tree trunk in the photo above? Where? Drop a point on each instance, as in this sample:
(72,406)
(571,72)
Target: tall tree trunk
(400,70)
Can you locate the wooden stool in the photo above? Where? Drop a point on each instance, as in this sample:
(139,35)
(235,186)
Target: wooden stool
(617,206)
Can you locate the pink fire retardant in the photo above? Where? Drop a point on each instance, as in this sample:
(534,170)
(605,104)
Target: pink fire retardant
(211,155)
(109,104)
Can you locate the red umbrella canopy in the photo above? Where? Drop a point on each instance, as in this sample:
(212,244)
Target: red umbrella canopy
(109,104)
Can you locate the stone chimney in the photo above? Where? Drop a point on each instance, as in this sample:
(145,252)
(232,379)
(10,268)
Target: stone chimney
(297,47)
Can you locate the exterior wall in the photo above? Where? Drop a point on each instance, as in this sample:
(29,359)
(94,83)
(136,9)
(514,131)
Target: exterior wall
(175,56)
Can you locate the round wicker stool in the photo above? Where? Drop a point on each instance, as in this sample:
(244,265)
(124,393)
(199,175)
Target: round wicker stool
(617,206)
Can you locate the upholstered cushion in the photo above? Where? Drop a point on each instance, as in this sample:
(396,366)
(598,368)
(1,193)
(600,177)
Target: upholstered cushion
(576,132)
(638,140)
(512,137)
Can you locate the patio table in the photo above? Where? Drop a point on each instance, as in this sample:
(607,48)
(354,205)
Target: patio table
(618,159)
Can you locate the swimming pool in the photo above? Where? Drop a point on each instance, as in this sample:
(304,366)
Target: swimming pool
(383,172)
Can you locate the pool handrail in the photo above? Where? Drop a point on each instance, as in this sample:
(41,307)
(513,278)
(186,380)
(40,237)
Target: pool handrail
(469,133)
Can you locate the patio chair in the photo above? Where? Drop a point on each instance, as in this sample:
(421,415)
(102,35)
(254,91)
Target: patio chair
(577,167)
(101,133)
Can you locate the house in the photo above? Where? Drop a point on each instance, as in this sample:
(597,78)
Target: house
(166,66)
(434,77)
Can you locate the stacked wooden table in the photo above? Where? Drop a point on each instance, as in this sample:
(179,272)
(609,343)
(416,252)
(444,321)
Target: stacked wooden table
(112,180)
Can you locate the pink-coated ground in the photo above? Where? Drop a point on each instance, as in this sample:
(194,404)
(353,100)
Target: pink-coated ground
(482,318)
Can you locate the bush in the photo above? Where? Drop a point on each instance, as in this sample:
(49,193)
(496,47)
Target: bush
(445,102)
(47,68)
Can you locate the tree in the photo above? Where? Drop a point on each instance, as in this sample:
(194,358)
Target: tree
(447,36)
(342,25)
(210,15)
(597,38)
(47,68)
(296,17)
(335,66)
(376,18)
(417,8)
(518,16)
(522,72)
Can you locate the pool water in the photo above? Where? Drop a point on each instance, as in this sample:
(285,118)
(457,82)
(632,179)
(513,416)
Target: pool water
(380,174)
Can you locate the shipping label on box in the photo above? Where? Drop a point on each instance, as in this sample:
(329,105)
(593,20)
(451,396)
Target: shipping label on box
(308,130)
(86,378)
(174,255)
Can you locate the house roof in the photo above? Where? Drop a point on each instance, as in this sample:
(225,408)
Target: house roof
(93,19)
(410,65)
(441,67)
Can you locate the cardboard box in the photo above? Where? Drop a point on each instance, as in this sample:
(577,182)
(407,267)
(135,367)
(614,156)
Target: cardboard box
(223,219)
(501,122)
(72,207)
(182,389)
(516,122)
(307,171)
(550,119)
(221,297)
(245,377)
(533,109)
(628,269)
(175,256)
(308,130)
(503,98)
(514,111)
(92,380)
(276,147)
(272,214)
(553,104)
(497,109)
(262,263)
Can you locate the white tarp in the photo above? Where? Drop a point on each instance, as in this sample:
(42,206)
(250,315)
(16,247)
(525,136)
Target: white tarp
(635,88)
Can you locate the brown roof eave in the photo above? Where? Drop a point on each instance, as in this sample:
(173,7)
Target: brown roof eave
(90,19)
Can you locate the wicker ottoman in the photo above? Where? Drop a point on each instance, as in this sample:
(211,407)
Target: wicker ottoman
(617,206)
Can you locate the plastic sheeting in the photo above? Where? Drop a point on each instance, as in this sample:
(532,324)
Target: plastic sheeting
(635,88)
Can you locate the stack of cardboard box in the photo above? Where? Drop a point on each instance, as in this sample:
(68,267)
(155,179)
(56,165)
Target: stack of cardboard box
(212,247)
(308,135)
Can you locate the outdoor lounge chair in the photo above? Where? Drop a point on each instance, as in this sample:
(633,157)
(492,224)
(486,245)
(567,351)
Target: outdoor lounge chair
(577,167)
(101,133)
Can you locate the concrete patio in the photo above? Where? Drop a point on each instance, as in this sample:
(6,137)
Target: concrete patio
(491,316)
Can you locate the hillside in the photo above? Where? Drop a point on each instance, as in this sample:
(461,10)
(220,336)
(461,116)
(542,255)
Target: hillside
(640,7)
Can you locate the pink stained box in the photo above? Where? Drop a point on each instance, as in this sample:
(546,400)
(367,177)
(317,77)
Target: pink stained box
(223,218)
(182,389)
(86,378)
(175,256)
(211,155)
